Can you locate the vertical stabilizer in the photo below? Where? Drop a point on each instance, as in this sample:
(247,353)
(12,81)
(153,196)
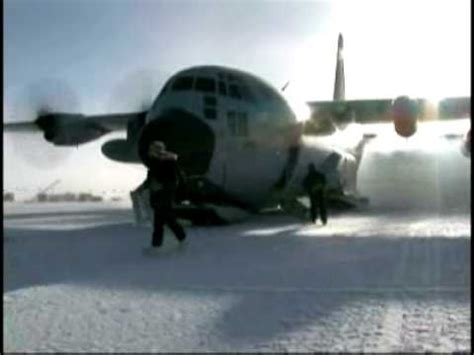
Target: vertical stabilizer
(339,84)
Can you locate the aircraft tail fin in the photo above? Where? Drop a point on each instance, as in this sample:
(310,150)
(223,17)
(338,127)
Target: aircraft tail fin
(339,83)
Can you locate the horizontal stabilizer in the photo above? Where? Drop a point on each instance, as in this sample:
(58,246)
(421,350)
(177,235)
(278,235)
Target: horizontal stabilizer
(453,136)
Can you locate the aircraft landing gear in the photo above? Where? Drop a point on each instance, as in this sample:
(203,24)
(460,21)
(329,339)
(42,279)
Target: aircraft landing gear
(294,207)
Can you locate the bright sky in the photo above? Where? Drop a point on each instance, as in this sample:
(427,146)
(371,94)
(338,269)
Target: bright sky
(419,48)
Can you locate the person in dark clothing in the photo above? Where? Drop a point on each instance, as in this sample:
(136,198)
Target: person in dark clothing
(315,185)
(163,178)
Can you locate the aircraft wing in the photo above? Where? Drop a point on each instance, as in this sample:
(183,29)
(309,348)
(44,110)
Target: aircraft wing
(69,129)
(118,121)
(327,115)
(20,127)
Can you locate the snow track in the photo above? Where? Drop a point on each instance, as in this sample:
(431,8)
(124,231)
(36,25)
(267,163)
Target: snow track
(396,283)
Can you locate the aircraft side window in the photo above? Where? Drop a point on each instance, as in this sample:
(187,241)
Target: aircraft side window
(183,83)
(237,123)
(205,84)
(234,91)
(210,104)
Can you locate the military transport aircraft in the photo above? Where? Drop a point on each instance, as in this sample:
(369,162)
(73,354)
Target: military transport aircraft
(238,141)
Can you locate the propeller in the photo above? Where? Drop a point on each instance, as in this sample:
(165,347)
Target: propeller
(136,91)
(33,102)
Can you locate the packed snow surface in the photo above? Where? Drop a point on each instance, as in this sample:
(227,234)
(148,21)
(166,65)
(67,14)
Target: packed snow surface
(75,279)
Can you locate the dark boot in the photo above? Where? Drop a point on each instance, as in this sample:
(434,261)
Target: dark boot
(177,229)
(158,226)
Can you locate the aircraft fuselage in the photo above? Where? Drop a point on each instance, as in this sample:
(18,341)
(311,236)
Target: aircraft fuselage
(234,129)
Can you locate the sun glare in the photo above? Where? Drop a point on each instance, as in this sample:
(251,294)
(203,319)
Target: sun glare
(415,48)
(430,137)
(299,107)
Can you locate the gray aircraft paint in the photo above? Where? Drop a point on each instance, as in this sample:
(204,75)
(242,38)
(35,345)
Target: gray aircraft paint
(247,165)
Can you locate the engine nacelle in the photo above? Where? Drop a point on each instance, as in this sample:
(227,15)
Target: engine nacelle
(121,150)
(405,115)
(69,129)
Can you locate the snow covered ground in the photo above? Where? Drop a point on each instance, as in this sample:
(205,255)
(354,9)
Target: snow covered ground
(75,279)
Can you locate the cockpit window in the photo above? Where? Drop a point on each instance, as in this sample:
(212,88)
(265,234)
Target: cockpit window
(234,91)
(266,93)
(205,84)
(222,88)
(183,83)
(231,77)
(247,95)
(235,87)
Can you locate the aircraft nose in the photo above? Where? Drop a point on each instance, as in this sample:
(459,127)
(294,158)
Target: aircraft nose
(184,134)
